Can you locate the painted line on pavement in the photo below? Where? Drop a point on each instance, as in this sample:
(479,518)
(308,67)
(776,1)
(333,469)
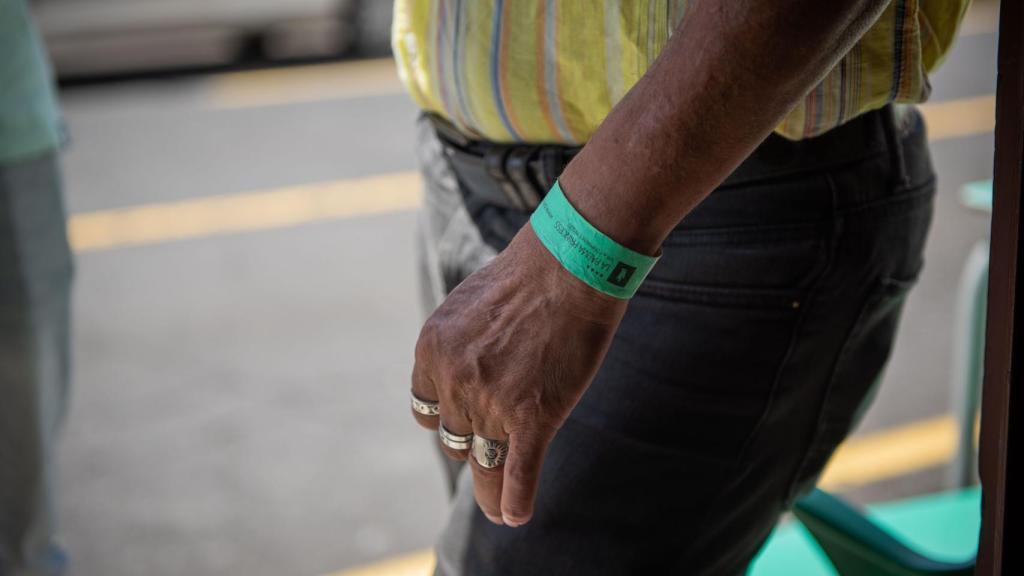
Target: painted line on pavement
(309,83)
(217,215)
(892,453)
(861,460)
(295,205)
(959,118)
(415,564)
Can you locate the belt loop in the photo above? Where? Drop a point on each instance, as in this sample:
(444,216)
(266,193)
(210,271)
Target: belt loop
(895,144)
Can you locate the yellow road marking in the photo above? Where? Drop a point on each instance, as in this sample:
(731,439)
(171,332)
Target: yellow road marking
(153,223)
(214,215)
(416,564)
(959,118)
(859,461)
(891,453)
(311,83)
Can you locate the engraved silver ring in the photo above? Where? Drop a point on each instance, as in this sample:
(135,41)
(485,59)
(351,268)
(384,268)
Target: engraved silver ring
(489,453)
(425,407)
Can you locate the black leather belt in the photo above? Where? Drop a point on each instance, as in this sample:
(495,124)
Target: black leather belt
(517,176)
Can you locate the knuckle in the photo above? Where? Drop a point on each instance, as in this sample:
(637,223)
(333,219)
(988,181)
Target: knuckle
(425,344)
(432,338)
(527,416)
(455,410)
(492,409)
(466,372)
(464,387)
(518,474)
(534,428)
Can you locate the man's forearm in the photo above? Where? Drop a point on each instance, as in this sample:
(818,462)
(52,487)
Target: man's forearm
(727,77)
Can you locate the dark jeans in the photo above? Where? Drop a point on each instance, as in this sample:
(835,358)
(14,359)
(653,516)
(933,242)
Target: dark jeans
(742,363)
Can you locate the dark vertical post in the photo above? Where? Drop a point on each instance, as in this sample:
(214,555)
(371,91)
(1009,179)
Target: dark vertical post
(1004,361)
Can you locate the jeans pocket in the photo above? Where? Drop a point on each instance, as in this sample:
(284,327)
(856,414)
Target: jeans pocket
(694,378)
(749,267)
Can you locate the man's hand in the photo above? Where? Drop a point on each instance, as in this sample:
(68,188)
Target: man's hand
(508,355)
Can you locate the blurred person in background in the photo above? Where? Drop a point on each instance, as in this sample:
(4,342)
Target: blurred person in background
(768,153)
(35,285)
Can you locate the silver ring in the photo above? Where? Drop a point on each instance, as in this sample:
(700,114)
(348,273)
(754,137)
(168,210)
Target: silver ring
(425,407)
(489,453)
(454,441)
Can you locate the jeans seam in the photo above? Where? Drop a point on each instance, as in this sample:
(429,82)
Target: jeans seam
(877,293)
(725,236)
(820,421)
(795,474)
(789,352)
(804,171)
(780,299)
(802,314)
(745,447)
(832,242)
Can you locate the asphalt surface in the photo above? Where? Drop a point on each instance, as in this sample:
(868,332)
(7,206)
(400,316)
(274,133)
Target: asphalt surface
(240,401)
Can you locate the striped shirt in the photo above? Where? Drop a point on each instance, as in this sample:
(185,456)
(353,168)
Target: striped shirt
(549,71)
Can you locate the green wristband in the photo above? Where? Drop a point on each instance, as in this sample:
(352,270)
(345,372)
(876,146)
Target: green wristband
(585,251)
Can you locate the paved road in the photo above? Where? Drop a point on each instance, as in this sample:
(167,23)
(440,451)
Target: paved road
(240,399)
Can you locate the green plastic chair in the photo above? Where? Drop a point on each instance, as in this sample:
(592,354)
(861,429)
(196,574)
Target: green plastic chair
(856,546)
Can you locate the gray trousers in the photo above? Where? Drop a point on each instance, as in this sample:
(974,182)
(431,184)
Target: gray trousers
(449,246)
(35,285)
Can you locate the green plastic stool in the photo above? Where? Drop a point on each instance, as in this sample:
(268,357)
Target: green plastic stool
(856,546)
(887,538)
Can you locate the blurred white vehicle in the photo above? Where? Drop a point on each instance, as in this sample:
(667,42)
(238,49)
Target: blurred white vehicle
(104,37)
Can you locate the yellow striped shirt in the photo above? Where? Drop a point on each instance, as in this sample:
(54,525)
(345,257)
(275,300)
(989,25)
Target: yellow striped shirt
(550,71)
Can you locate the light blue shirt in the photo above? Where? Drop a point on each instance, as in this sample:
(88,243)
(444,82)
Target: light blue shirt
(30,121)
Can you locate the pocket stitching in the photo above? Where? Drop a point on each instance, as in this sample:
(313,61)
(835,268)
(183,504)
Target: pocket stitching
(781,234)
(752,298)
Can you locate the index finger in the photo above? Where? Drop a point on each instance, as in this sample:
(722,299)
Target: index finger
(522,474)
